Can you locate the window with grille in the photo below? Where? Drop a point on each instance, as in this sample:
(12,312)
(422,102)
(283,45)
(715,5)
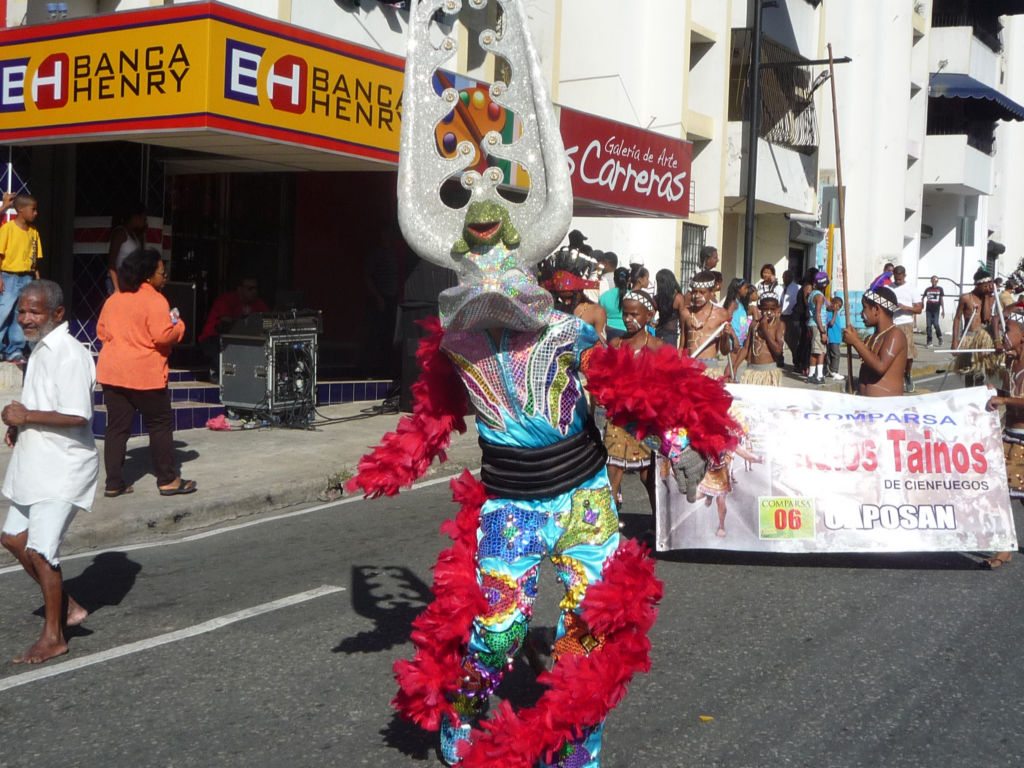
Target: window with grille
(693,240)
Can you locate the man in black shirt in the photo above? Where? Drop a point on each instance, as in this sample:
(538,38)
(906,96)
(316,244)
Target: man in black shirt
(932,298)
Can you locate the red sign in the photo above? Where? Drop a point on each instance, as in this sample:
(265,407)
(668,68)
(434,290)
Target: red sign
(617,165)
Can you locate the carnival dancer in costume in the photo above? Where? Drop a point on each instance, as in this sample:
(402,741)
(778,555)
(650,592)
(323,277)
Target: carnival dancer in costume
(625,452)
(1011,395)
(567,273)
(976,310)
(545,491)
(764,345)
(708,328)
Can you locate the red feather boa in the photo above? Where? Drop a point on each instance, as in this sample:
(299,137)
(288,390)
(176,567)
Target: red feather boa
(582,690)
(439,408)
(441,632)
(662,390)
(657,391)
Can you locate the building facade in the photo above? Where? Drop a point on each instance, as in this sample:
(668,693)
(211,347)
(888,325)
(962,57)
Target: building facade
(298,188)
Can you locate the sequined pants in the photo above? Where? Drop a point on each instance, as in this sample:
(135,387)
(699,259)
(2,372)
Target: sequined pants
(577,531)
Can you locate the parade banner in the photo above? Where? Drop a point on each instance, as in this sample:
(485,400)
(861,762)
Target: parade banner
(828,472)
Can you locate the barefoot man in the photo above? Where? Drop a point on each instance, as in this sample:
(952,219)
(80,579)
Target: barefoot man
(54,466)
(976,311)
(764,345)
(884,356)
(702,320)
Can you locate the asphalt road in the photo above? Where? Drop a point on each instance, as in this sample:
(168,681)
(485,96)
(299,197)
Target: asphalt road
(817,661)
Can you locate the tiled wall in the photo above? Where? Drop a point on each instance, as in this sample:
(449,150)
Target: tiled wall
(203,402)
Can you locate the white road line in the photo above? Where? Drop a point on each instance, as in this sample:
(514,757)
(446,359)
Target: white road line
(232,528)
(41,673)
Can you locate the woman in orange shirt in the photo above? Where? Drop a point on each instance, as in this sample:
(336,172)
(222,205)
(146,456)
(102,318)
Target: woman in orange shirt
(138,330)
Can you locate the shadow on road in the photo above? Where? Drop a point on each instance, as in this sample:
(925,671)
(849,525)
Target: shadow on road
(391,596)
(519,687)
(105,581)
(920,561)
(137,463)
(408,738)
(638,525)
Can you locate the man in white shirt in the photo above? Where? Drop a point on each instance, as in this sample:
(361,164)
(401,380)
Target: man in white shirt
(54,467)
(903,318)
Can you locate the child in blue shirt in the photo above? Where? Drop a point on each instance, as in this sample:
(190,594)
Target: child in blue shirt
(835,322)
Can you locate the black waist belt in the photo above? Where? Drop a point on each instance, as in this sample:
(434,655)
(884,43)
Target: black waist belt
(509,472)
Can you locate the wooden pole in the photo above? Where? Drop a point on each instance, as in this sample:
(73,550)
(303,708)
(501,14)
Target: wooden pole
(842,217)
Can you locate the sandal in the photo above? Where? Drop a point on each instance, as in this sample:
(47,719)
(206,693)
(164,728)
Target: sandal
(998,559)
(108,494)
(184,486)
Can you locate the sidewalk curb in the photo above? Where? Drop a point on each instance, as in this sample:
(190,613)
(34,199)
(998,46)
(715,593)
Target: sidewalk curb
(190,513)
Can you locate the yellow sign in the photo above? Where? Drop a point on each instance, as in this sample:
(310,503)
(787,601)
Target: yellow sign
(194,66)
(781,517)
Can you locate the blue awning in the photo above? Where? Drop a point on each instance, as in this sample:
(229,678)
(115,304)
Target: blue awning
(955,86)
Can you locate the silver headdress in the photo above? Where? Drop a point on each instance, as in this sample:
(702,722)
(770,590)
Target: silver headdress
(490,242)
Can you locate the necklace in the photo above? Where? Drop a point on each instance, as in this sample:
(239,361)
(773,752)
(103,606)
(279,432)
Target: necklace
(647,339)
(757,342)
(878,336)
(698,324)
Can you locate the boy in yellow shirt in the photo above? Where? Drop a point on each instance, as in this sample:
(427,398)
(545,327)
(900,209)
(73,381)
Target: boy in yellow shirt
(20,251)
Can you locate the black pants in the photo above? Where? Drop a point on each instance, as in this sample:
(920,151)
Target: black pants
(832,357)
(802,355)
(932,321)
(155,407)
(791,335)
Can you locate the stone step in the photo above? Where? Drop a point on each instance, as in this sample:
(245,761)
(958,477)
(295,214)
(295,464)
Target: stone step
(187,414)
(195,402)
(197,391)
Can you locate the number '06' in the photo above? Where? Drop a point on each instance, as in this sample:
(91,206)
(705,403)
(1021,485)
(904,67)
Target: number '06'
(787,518)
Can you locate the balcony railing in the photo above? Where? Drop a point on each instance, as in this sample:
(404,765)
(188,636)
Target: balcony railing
(788,117)
(983,142)
(984,27)
(959,117)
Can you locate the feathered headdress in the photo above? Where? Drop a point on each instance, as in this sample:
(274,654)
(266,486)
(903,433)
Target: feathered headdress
(568,269)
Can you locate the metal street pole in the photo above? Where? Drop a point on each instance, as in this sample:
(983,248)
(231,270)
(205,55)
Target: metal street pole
(841,197)
(752,136)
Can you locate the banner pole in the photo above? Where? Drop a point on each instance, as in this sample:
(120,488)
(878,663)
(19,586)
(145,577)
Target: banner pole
(842,217)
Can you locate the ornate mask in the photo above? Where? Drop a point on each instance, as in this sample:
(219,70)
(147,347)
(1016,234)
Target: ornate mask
(490,242)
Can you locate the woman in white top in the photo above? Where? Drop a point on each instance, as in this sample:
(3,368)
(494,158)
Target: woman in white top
(126,237)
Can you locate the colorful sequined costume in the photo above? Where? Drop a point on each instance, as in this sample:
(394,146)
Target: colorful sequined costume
(527,394)
(525,387)
(544,490)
